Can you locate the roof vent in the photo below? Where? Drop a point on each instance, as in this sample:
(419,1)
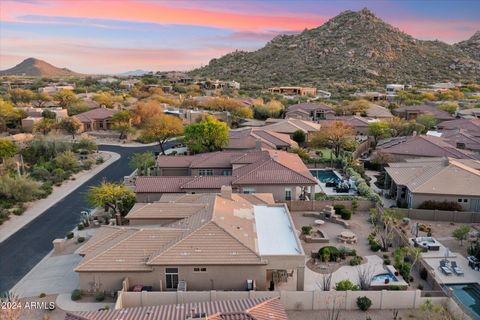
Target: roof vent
(226,192)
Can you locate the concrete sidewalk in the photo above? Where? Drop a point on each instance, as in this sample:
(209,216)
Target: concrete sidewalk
(36,208)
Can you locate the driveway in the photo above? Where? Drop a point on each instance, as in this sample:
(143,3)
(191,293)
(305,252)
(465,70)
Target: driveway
(24,249)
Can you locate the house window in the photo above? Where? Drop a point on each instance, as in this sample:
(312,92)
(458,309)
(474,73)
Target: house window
(248,190)
(205,172)
(459,200)
(288,194)
(171,278)
(199,269)
(100,124)
(320,115)
(465,200)
(460,145)
(226,172)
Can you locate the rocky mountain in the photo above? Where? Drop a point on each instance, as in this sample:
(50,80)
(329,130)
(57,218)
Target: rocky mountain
(351,48)
(137,72)
(37,68)
(471,46)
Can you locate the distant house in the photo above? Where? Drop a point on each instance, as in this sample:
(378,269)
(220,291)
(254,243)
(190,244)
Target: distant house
(392,89)
(469,113)
(412,112)
(258,138)
(402,148)
(244,309)
(310,111)
(96,119)
(289,126)
(437,179)
(294,91)
(470,125)
(221,242)
(358,123)
(29,122)
(462,133)
(55,88)
(278,172)
(378,112)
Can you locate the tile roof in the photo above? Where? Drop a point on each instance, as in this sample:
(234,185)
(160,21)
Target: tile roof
(261,167)
(289,126)
(472,126)
(377,111)
(309,106)
(96,114)
(423,146)
(424,109)
(241,309)
(163,210)
(443,176)
(247,138)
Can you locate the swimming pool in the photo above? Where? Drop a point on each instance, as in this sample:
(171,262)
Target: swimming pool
(469,296)
(325,175)
(381,278)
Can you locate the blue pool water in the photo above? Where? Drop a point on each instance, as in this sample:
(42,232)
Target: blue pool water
(324,175)
(469,296)
(381,277)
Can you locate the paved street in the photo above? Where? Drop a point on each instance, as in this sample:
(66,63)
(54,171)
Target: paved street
(23,250)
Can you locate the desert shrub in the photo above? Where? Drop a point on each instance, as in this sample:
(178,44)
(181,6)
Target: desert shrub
(80,226)
(42,295)
(76,295)
(67,161)
(441,205)
(364,303)
(420,287)
(88,144)
(346,214)
(375,246)
(100,160)
(355,261)
(58,175)
(45,189)
(100,296)
(328,253)
(70,235)
(394,287)
(18,188)
(404,269)
(19,211)
(40,173)
(346,285)
(306,230)
(80,239)
(338,208)
(387,261)
(87,164)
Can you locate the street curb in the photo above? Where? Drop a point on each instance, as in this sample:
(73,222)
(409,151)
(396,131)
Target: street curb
(11,229)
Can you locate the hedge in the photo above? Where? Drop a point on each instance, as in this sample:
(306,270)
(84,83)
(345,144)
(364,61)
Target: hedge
(363,189)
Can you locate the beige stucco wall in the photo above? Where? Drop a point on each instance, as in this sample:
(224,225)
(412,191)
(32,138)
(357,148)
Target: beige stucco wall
(217,277)
(277,191)
(418,199)
(173,172)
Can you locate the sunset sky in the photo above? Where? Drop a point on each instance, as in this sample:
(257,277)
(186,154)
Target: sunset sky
(110,36)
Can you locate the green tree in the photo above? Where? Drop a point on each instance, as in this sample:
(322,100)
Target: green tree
(18,188)
(336,136)
(45,125)
(71,125)
(65,98)
(299,137)
(449,107)
(378,130)
(7,148)
(207,135)
(111,195)
(427,120)
(40,99)
(106,99)
(122,122)
(461,233)
(21,95)
(142,162)
(88,144)
(10,117)
(160,128)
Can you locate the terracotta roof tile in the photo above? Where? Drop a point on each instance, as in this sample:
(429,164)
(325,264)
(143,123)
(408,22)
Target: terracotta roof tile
(96,114)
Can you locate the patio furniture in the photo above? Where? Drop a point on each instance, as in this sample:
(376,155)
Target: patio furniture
(456,269)
(444,268)
(319,222)
(473,262)
(347,237)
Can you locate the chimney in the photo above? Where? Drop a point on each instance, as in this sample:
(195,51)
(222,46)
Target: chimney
(226,192)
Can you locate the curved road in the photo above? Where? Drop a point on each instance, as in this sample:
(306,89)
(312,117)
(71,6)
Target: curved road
(24,249)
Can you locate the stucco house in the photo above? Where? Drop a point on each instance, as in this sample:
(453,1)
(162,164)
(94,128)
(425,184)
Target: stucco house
(258,138)
(96,119)
(310,111)
(412,112)
(402,148)
(227,241)
(278,172)
(440,179)
(289,126)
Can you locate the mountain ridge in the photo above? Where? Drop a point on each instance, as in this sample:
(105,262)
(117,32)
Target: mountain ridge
(34,67)
(351,48)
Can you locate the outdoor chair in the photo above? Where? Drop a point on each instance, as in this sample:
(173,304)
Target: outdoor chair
(456,269)
(443,267)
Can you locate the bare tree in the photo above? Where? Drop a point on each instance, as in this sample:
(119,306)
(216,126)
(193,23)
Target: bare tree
(326,281)
(333,311)
(365,274)
(389,219)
